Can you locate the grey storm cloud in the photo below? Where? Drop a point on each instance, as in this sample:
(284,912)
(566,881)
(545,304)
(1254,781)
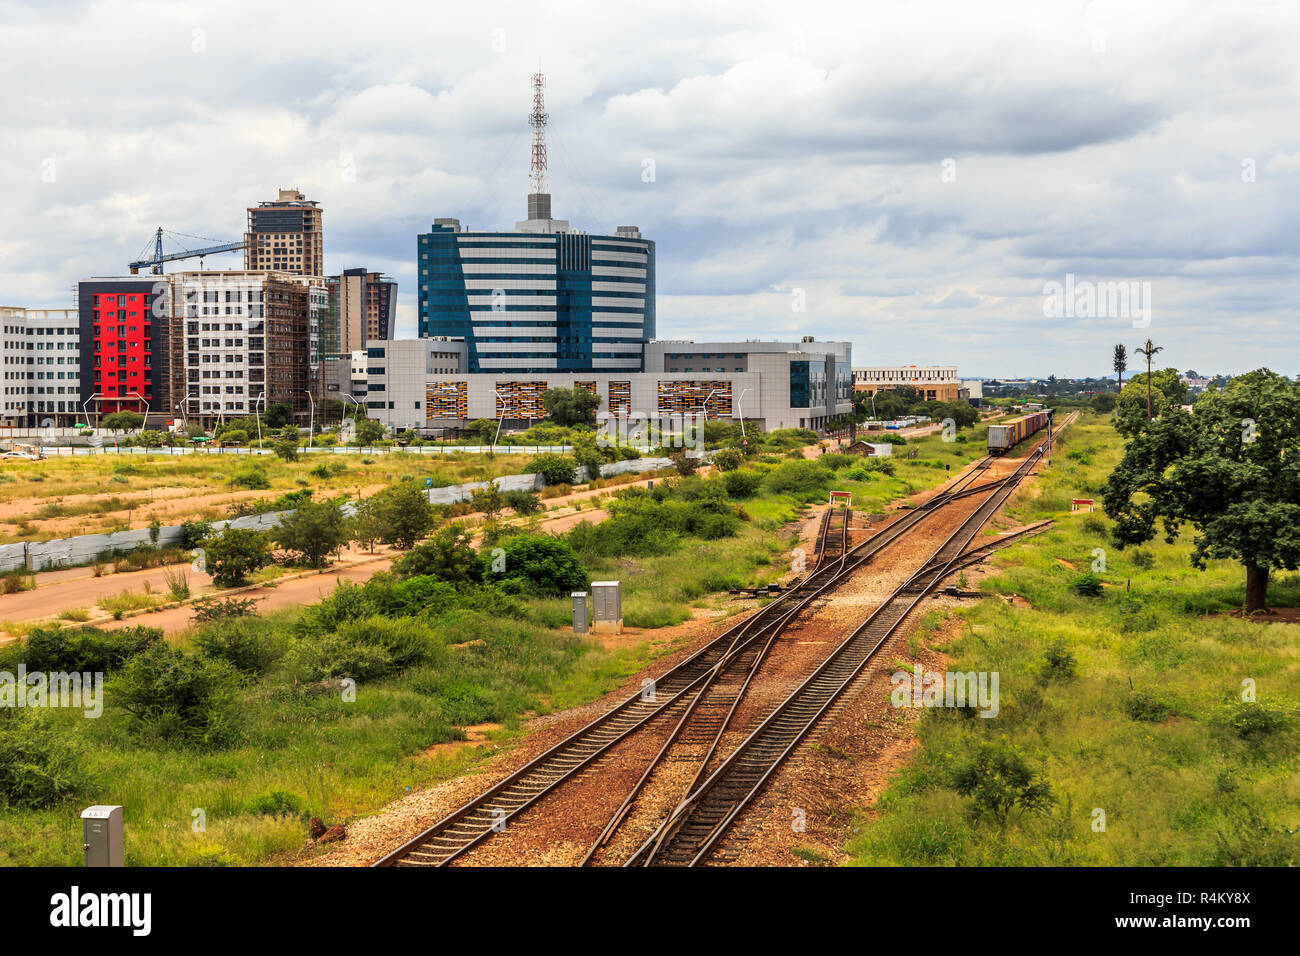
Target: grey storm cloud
(917,172)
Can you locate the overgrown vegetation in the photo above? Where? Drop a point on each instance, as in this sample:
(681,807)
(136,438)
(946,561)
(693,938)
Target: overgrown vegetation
(1162,728)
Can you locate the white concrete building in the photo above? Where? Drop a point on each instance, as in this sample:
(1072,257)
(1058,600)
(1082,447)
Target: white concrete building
(40,354)
(421,384)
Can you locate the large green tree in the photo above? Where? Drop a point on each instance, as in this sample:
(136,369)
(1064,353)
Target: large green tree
(571,406)
(1230,468)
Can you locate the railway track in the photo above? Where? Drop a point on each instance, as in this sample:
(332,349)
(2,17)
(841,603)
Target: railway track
(833,535)
(698,823)
(678,693)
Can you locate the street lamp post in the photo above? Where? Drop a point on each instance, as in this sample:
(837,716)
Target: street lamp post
(183,406)
(741,410)
(311,423)
(261,397)
(345,410)
(500,418)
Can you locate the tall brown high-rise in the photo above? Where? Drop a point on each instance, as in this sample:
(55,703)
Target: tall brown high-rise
(284,235)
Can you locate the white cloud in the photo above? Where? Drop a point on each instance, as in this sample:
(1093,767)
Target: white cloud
(794,146)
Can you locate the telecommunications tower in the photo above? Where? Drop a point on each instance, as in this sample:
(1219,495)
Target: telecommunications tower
(539,196)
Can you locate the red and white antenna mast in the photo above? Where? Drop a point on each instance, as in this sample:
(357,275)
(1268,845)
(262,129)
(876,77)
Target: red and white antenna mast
(537,184)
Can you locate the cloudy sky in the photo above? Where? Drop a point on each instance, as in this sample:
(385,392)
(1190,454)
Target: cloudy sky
(908,176)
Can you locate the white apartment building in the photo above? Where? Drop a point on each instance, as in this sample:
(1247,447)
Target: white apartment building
(39,355)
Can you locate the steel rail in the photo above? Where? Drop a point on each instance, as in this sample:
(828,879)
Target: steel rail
(777,736)
(475,821)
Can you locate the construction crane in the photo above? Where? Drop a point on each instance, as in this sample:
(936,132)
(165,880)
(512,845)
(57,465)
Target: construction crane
(155,262)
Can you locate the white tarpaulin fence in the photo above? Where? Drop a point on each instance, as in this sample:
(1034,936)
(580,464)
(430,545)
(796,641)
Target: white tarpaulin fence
(84,549)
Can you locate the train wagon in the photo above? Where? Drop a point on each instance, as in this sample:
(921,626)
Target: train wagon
(1005,436)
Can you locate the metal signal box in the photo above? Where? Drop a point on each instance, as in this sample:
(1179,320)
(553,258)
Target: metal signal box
(102,836)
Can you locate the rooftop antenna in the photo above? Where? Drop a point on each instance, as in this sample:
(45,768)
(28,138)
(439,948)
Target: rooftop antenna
(539,196)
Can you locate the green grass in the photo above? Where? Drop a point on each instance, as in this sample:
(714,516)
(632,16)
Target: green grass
(1151,729)
(338,759)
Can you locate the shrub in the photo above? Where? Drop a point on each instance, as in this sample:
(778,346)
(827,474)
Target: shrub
(246,645)
(1142,558)
(554,469)
(1254,722)
(250,476)
(235,553)
(327,656)
(207,610)
(742,484)
(1146,706)
(523,503)
(404,640)
(312,532)
(276,803)
(1086,584)
(193,533)
(803,479)
(999,781)
(728,459)
(85,648)
(404,514)
(1058,662)
(177,696)
(38,765)
(539,564)
(446,555)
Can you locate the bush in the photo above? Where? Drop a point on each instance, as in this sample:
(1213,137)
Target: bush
(1254,722)
(328,469)
(1146,706)
(246,645)
(446,555)
(193,533)
(85,648)
(235,553)
(312,532)
(207,610)
(403,513)
(554,469)
(1058,662)
(803,479)
(276,803)
(1143,559)
(742,484)
(523,503)
(328,656)
(176,696)
(999,781)
(728,459)
(404,640)
(540,564)
(1086,584)
(38,765)
(250,476)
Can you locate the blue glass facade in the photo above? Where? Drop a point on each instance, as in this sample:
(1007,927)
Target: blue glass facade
(531,302)
(807,384)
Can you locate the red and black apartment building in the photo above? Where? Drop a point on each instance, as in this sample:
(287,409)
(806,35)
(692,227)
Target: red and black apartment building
(124,354)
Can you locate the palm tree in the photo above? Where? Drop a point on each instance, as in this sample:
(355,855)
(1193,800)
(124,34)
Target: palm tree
(1148,352)
(1120,364)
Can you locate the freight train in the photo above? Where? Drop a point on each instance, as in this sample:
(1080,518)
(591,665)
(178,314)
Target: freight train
(1005,436)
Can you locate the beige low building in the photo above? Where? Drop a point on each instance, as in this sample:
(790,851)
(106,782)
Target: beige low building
(936,383)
